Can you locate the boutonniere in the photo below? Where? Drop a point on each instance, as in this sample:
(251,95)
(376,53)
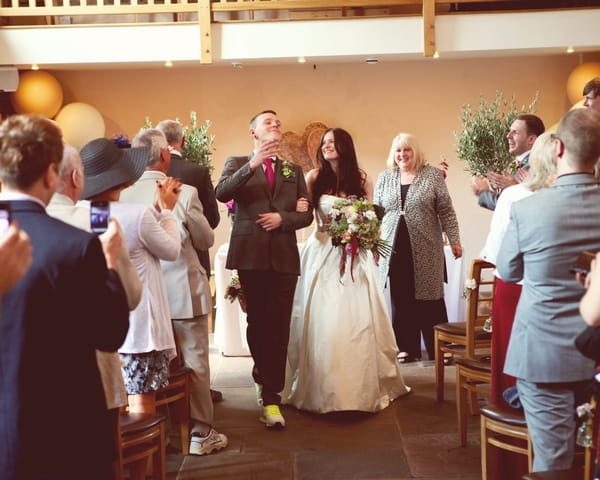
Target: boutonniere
(287,169)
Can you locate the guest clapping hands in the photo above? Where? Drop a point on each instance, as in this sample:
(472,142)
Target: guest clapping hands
(15,256)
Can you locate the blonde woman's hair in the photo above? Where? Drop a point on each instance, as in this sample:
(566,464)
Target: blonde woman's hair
(542,162)
(406,140)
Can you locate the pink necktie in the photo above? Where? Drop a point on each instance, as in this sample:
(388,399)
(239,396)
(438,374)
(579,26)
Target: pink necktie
(270,174)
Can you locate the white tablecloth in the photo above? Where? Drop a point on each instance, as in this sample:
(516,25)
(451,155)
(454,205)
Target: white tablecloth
(230,321)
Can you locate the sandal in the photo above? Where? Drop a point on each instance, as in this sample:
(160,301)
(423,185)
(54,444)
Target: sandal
(405,357)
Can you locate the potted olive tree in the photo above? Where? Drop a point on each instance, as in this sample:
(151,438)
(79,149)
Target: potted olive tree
(482,142)
(198,147)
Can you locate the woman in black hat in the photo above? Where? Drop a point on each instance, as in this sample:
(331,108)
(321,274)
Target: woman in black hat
(152,235)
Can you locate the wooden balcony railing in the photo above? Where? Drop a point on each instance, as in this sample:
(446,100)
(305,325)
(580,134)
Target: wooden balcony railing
(49,13)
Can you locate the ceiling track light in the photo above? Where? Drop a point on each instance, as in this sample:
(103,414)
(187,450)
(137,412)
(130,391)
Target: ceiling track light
(372,60)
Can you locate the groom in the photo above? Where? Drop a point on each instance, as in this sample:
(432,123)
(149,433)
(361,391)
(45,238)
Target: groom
(264,251)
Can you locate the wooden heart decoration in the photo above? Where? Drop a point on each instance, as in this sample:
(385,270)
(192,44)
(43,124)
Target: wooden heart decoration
(302,149)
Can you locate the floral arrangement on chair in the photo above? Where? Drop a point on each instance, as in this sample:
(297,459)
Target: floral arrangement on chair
(353,225)
(234,291)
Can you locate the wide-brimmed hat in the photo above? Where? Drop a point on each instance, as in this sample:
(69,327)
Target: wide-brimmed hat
(105,165)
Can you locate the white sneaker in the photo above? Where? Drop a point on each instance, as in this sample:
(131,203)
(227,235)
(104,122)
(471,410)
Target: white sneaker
(259,399)
(212,442)
(272,417)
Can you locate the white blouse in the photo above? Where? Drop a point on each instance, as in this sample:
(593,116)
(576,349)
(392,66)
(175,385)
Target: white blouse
(150,237)
(501,219)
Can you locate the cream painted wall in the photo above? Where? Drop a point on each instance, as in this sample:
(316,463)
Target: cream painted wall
(373,102)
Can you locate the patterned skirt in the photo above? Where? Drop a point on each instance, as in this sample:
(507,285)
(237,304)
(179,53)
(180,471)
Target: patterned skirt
(145,372)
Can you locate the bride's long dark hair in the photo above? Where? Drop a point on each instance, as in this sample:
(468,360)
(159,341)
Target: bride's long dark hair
(350,179)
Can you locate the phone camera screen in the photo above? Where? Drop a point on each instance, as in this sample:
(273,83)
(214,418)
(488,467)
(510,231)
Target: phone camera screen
(99,213)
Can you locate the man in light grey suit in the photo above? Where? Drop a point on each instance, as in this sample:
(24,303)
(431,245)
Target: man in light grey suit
(188,290)
(547,231)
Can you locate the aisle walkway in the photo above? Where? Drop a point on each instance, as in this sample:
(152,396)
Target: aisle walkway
(414,438)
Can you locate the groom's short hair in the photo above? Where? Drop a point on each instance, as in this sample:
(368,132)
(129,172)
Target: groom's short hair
(253,119)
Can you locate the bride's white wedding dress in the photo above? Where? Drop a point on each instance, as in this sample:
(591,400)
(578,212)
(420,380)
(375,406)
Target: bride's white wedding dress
(342,350)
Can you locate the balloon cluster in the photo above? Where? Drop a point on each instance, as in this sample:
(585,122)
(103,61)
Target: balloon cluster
(39,92)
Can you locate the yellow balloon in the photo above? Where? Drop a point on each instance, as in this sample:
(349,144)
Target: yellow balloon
(38,92)
(80,123)
(579,77)
(552,128)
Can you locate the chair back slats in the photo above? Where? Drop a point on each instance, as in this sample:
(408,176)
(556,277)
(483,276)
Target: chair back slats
(479,302)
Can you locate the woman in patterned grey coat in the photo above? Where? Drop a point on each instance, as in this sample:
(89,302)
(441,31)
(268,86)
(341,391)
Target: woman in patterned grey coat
(418,209)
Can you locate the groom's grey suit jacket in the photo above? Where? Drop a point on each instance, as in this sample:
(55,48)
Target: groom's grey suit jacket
(547,231)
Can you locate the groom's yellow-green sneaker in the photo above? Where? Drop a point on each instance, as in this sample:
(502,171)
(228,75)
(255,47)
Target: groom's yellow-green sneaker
(272,417)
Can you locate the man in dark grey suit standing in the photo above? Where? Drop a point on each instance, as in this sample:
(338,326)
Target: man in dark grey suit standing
(264,250)
(192,174)
(547,231)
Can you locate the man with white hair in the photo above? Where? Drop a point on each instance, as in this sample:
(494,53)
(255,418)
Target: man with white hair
(190,299)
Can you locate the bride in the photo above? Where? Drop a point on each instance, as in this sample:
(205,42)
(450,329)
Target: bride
(342,350)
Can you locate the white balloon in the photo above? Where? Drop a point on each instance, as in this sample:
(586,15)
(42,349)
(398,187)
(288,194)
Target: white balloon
(80,123)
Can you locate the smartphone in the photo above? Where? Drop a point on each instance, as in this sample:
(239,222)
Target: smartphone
(99,214)
(583,263)
(5,217)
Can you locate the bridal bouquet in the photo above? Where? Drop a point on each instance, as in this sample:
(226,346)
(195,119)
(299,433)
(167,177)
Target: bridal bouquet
(353,225)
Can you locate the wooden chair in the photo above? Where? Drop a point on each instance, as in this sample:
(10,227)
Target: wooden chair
(473,378)
(467,339)
(497,425)
(141,437)
(174,399)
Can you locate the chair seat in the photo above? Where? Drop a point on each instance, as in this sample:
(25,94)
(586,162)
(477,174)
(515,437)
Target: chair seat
(455,328)
(134,422)
(476,365)
(459,328)
(514,418)
(570,474)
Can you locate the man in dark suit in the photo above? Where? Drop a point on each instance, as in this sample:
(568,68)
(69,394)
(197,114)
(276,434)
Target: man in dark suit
(53,418)
(263,249)
(192,174)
